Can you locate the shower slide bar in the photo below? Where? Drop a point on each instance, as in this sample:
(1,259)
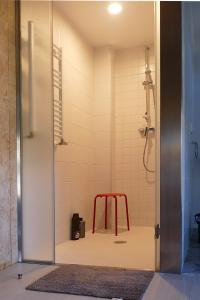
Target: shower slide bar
(57,96)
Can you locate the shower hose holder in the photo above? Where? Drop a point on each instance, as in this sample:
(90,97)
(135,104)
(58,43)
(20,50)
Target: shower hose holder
(144,130)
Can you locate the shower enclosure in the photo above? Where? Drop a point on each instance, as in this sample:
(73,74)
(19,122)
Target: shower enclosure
(80,121)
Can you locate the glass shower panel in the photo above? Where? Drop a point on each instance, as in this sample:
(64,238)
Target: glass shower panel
(37,131)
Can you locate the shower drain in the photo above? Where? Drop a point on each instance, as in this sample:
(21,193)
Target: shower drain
(120,242)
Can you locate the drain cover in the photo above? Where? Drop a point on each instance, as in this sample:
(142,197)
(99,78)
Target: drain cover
(120,242)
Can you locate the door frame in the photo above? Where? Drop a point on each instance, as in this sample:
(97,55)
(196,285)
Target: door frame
(19,148)
(166,212)
(170,138)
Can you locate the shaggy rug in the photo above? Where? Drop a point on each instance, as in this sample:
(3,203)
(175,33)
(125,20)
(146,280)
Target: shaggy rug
(102,282)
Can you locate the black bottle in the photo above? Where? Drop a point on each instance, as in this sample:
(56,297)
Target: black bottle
(75,229)
(82,228)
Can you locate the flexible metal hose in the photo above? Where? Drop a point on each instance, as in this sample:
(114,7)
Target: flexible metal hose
(144,153)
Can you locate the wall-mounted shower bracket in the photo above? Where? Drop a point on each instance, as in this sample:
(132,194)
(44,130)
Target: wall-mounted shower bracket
(144,130)
(148,83)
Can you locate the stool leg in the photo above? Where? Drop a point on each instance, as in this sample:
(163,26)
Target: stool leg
(106,210)
(127,215)
(115,215)
(94,214)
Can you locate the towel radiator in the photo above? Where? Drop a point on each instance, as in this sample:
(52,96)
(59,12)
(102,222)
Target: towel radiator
(57,96)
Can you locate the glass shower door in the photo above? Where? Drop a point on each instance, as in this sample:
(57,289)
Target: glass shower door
(37,132)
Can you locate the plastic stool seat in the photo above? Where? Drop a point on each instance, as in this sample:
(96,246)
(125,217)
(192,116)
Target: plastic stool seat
(111,195)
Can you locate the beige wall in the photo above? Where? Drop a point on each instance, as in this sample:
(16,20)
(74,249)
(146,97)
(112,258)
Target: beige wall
(8,202)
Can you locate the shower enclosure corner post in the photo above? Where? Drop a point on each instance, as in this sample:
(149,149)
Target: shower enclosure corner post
(53,142)
(18,128)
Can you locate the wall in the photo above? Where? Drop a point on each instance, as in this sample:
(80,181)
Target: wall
(193,10)
(8,201)
(83,167)
(103,127)
(74,167)
(129,175)
(104,101)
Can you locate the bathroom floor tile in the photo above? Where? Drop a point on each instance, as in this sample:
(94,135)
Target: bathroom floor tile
(130,249)
(162,287)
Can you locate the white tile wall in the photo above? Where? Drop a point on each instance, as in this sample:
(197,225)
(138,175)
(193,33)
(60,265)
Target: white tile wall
(74,162)
(104,101)
(103,122)
(129,175)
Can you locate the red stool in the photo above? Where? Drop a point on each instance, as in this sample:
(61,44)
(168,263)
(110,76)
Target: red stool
(113,195)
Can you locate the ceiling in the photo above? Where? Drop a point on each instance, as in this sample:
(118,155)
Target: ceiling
(133,27)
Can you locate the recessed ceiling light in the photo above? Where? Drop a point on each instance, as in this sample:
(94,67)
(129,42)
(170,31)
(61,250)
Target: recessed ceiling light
(114,8)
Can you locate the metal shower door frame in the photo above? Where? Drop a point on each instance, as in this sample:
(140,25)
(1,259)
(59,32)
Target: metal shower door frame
(19,148)
(19,151)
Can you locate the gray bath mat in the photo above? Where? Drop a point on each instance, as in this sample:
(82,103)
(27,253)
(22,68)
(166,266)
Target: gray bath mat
(102,282)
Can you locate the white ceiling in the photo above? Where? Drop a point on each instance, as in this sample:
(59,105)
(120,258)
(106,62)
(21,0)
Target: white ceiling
(133,27)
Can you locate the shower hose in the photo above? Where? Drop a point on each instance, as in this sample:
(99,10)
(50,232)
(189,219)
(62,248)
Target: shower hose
(144,152)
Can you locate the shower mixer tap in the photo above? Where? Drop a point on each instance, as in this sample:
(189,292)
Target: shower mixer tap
(145,130)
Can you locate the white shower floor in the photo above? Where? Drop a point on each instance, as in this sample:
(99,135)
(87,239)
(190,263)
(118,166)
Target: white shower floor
(100,249)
